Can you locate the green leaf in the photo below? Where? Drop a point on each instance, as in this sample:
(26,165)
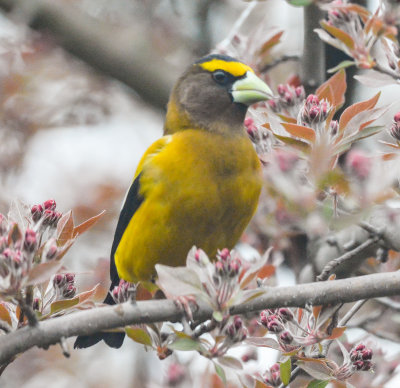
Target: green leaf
(300,3)
(220,372)
(286,371)
(185,344)
(318,384)
(231,362)
(64,304)
(295,143)
(341,65)
(139,335)
(217,315)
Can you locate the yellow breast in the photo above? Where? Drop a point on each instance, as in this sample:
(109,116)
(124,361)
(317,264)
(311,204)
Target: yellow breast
(200,189)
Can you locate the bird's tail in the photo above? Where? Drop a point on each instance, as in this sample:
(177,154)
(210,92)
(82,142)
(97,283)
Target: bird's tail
(113,340)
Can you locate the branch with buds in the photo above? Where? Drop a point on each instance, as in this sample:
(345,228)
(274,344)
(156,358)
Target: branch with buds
(90,321)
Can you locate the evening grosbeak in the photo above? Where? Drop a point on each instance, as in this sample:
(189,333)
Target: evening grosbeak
(197,185)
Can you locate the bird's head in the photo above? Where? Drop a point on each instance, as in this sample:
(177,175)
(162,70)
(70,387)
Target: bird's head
(214,94)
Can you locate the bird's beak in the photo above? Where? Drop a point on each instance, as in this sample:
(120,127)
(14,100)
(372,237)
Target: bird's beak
(250,89)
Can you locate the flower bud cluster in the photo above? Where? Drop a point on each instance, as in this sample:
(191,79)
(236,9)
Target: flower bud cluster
(314,111)
(64,284)
(46,212)
(123,292)
(361,357)
(227,266)
(272,376)
(395,128)
(236,332)
(289,99)
(274,320)
(258,135)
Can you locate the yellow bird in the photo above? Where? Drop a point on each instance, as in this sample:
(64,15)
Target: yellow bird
(197,185)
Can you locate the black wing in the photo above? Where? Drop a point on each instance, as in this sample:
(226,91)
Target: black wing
(132,202)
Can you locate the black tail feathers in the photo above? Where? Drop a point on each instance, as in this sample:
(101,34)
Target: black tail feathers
(113,340)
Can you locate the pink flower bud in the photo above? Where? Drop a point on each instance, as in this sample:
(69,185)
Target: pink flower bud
(59,281)
(359,164)
(314,112)
(273,105)
(275,326)
(224,254)
(367,365)
(69,291)
(70,277)
(366,354)
(50,204)
(359,364)
(282,89)
(300,92)
(248,121)
(36,211)
(52,252)
(30,240)
(285,314)
(219,268)
(286,337)
(288,97)
(397,117)
(312,99)
(175,375)
(334,127)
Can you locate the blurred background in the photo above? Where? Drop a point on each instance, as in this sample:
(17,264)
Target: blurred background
(74,130)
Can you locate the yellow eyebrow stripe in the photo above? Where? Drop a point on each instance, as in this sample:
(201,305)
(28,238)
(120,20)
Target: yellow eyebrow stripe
(237,69)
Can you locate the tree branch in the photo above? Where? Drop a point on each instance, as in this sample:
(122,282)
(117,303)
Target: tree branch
(118,54)
(90,321)
(313,59)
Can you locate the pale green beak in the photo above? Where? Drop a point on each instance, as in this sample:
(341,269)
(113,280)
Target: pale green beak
(250,90)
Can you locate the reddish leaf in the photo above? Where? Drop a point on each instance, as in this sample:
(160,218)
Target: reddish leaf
(337,332)
(354,109)
(300,131)
(361,11)
(338,88)
(84,226)
(339,34)
(266,271)
(83,296)
(65,229)
(316,311)
(42,272)
(271,42)
(5,314)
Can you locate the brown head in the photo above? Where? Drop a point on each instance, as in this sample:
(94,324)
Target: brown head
(214,94)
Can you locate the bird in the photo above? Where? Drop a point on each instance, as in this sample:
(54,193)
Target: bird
(198,185)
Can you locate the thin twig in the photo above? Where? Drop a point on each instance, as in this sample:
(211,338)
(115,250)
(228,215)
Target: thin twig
(390,303)
(238,24)
(27,311)
(205,327)
(278,61)
(351,312)
(345,257)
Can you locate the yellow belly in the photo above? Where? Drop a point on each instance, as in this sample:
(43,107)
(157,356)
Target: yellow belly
(200,189)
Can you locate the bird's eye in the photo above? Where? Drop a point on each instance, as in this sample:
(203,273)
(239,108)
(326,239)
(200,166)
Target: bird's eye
(220,77)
